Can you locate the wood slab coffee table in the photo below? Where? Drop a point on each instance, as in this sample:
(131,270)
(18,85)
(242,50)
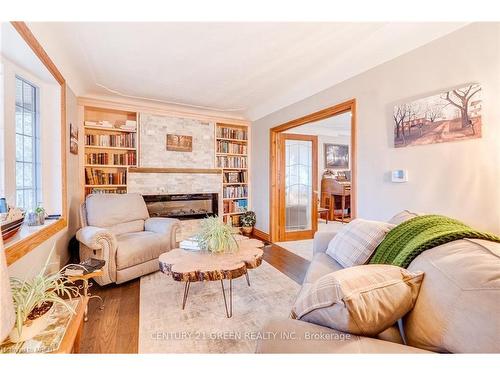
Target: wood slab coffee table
(191,266)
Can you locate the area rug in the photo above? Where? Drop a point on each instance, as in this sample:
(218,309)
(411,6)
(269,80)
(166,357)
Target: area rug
(202,327)
(302,248)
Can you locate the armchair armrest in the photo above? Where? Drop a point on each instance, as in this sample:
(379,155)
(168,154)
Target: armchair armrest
(164,225)
(101,244)
(321,241)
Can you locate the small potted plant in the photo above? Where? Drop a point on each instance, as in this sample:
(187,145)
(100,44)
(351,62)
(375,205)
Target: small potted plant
(217,236)
(34,300)
(247,221)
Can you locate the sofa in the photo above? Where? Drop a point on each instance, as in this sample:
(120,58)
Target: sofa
(457,309)
(118,229)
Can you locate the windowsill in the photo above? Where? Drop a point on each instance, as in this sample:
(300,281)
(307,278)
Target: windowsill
(30,237)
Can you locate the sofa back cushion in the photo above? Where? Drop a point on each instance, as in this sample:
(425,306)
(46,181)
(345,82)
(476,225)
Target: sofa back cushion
(403,216)
(458,307)
(108,210)
(355,243)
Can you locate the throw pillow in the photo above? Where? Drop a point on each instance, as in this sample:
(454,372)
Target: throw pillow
(403,216)
(363,300)
(355,243)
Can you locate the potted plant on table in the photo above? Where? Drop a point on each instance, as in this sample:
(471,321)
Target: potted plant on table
(217,236)
(247,221)
(34,300)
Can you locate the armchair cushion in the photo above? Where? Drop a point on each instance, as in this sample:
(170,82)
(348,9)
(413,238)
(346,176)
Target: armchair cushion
(140,247)
(106,210)
(128,227)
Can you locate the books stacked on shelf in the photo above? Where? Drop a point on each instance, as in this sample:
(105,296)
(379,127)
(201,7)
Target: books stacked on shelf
(105,191)
(235,206)
(235,177)
(235,191)
(231,133)
(231,161)
(102,124)
(110,140)
(190,244)
(227,147)
(99,177)
(129,125)
(104,158)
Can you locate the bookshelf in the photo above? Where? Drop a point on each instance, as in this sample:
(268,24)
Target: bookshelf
(110,144)
(232,151)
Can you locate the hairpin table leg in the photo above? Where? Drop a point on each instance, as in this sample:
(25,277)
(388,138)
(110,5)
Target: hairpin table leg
(229,312)
(186,292)
(248,277)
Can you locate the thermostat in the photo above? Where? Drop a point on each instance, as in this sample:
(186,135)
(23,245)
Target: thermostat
(399,175)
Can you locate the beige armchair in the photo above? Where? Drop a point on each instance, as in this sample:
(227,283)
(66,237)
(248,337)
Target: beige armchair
(118,229)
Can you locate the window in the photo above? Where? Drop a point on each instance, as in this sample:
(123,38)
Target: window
(27,146)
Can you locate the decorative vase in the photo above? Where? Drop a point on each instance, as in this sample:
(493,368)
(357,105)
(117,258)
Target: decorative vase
(247,231)
(31,328)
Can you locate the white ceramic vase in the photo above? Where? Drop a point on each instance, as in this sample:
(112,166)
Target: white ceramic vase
(31,328)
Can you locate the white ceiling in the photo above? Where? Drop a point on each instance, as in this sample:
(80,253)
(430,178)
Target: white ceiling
(243,69)
(336,126)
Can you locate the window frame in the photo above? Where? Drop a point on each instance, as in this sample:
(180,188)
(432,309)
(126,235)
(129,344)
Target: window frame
(16,250)
(35,139)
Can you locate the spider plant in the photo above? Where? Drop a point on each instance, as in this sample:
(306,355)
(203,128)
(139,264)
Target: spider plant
(216,236)
(40,293)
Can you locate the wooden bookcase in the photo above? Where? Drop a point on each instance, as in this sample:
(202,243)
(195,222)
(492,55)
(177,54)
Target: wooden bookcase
(109,151)
(232,156)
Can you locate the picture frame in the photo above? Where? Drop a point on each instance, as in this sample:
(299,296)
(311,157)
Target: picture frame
(180,143)
(448,116)
(73,139)
(336,156)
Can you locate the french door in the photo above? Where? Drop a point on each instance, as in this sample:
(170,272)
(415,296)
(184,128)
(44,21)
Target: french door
(298,185)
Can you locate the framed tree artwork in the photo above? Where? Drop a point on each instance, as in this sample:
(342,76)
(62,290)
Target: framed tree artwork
(182,143)
(336,156)
(452,115)
(73,139)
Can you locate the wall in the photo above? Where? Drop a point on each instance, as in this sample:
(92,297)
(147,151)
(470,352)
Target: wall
(31,263)
(459,179)
(49,102)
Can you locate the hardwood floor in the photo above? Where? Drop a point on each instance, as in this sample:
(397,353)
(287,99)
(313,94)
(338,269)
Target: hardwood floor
(116,328)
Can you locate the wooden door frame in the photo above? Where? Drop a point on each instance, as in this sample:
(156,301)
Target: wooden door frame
(299,235)
(275,169)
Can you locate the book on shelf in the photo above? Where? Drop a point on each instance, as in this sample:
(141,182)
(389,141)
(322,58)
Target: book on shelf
(95,176)
(111,140)
(102,124)
(232,162)
(235,206)
(235,191)
(230,133)
(95,190)
(235,177)
(228,147)
(85,267)
(112,159)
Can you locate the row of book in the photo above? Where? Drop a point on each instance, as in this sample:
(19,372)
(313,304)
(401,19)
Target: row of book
(106,191)
(235,191)
(231,148)
(99,177)
(110,140)
(240,205)
(232,162)
(235,177)
(104,158)
(231,133)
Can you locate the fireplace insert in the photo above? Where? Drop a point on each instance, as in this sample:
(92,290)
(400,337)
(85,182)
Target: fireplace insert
(182,206)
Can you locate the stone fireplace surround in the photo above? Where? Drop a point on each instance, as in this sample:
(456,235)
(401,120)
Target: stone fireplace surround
(152,154)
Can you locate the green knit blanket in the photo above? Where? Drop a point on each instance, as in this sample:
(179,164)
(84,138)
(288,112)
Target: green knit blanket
(410,238)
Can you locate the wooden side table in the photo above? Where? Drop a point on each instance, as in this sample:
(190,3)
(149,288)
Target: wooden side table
(86,285)
(62,336)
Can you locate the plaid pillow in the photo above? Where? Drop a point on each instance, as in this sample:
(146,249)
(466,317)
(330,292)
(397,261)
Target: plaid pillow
(363,300)
(355,243)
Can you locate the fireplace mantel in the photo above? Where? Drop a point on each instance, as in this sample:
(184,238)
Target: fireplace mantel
(175,170)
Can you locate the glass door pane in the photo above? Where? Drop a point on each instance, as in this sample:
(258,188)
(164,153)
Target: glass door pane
(298,185)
